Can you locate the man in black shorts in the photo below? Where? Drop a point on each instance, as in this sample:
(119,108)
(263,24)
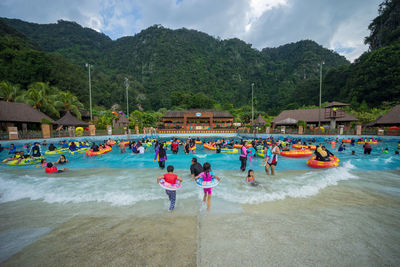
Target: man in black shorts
(195,168)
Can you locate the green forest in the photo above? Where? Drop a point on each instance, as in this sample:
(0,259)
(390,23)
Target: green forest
(181,69)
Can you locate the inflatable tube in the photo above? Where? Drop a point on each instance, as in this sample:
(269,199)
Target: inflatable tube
(193,148)
(372,142)
(79,131)
(100,152)
(112,142)
(251,152)
(148,144)
(229,150)
(168,186)
(346,141)
(312,162)
(80,150)
(207,184)
(198,142)
(57,151)
(210,147)
(297,153)
(312,147)
(260,154)
(27,161)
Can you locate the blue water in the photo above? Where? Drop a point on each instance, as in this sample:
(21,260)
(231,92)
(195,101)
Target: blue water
(377,160)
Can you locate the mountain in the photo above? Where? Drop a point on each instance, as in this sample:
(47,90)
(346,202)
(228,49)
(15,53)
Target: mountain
(182,68)
(22,62)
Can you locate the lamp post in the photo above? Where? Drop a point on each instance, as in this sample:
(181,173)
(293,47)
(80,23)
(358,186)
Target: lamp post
(90,91)
(127,87)
(252,104)
(320,92)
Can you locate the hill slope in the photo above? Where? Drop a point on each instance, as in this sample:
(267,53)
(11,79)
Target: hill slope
(186,68)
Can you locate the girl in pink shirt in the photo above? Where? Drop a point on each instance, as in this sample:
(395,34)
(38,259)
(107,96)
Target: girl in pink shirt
(207,176)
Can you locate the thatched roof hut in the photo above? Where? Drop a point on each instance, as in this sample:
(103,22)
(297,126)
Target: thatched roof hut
(70,120)
(259,121)
(21,113)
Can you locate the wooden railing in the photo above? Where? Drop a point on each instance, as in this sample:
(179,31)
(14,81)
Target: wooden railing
(177,131)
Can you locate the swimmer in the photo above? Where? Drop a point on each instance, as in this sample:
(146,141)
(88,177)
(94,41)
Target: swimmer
(72,146)
(171,178)
(122,146)
(53,169)
(17,155)
(36,150)
(207,177)
(43,163)
(12,149)
(187,146)
(195,168)
(250,178)
(52,147)
(61,160)
(353,152)
(385,151)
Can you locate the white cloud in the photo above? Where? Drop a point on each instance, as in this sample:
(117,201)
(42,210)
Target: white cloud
(340,25)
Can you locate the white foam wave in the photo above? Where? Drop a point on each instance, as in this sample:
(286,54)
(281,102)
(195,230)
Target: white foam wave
(388,160)
(119,191)
(125,187)
(301,186)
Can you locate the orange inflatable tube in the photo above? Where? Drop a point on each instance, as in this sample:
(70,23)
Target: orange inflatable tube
(297,153)
(198,142)
(312,162)
(346,141)
(210,147)
(312,147)
(100,152)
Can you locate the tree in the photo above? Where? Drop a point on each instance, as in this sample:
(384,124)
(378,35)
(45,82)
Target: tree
(8,91)
(66,101)
(385,28)
(41,97)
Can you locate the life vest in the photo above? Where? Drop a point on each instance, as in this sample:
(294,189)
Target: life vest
(51,169)
(170,178)
(250,179)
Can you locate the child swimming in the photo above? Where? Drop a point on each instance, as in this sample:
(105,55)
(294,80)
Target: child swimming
(207,176)
(250,178)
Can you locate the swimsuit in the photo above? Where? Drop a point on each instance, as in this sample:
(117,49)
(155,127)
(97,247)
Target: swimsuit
(207,178)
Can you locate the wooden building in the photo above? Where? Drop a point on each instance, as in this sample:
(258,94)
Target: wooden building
(331,114)
(20,115)
(197,119)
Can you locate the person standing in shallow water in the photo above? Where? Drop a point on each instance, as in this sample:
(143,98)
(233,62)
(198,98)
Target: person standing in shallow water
(243,156)
(273,160)
(162,156)
(171,178)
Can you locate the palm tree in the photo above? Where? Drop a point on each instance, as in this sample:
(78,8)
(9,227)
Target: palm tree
(41,97)
(8,91)
(67,101)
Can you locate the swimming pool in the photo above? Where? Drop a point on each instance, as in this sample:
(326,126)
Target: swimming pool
(122,185)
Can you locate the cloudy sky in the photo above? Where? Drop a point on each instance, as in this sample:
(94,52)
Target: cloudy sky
(340,25)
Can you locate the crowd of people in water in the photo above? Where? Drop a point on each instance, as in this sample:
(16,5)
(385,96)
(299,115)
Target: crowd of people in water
(269,148)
